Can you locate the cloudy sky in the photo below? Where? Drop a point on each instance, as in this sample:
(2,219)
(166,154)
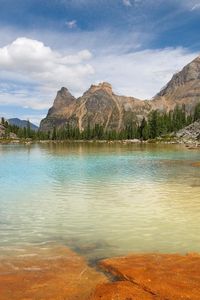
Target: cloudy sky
(136,45)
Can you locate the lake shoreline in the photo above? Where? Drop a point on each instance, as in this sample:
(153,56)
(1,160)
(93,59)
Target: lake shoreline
(191,144)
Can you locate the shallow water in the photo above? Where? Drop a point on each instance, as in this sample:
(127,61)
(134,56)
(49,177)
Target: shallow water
(99,199)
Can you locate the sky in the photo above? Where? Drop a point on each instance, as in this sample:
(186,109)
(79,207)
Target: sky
(136,45)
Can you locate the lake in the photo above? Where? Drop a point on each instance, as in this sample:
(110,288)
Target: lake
(99,199)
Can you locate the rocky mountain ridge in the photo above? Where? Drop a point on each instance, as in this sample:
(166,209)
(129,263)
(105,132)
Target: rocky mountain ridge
(22,123)
(100,105)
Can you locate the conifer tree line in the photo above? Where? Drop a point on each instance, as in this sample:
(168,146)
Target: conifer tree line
(157,124)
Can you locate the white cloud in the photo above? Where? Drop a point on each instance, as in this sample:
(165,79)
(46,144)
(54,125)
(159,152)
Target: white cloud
(195,7)
(143,73)
(38,71)
(127,2)
(32,59)
(71,24)
(31,62)
(190,5)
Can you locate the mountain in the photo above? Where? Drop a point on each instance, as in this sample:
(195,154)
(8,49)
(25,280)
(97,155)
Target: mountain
(183,88)
(22,123)
(100,105)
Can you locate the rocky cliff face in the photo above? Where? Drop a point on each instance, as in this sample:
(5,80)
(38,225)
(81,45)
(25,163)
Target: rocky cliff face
(62,109)
(100,105)
(183,88)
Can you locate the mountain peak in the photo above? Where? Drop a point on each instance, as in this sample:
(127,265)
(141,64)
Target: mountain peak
(99,105)
(22,123)
(190,73)
(63,91)
(64,97)
(105,86)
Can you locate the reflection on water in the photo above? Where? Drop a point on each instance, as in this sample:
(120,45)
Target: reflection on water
(99,199)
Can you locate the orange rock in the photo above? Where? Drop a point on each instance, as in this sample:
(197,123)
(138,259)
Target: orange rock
(57,273)
(51,274)
(121,290)
(169,276)
(196,164)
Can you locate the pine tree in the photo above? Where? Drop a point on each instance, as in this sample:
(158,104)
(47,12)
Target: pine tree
(197,112)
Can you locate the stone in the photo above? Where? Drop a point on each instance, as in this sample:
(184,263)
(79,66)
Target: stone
(56,273)
(190,133)
(120,290)
(2,131)
(165,276)
(196,164)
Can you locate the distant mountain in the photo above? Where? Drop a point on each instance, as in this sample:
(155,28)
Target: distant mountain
(100,105)
(22,123)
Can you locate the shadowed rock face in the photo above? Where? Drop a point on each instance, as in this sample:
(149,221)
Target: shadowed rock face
(63,106)
(100,105)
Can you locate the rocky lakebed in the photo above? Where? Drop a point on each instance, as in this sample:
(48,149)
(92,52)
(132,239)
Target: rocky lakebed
(58,273)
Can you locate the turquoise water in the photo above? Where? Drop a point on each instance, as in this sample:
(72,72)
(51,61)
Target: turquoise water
(99,199)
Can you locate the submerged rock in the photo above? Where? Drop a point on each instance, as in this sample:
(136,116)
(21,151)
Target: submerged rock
(121,290)
(196,164)
(47,274)
(58,273)
(161,276)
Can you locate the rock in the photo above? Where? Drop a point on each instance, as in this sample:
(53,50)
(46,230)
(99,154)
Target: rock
(57,273)
(98,105)
(196,164)
(13,136)
(183,88)
(22,123)
(61,111)
(47,274)
(190,133)
(2,131)
(121,290)
(163,276)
